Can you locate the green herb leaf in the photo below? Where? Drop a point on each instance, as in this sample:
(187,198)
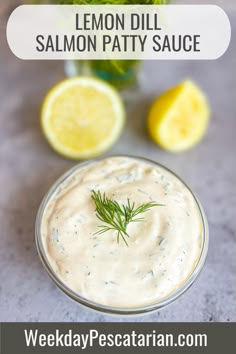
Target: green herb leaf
(117,217)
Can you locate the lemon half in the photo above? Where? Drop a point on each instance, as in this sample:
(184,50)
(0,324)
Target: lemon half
(82,117)
(178,118)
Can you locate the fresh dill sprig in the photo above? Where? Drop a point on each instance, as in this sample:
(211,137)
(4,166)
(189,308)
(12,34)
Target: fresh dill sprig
(117,217)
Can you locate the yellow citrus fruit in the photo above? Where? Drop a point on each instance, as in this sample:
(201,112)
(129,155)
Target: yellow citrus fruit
(82,117)
(178,118)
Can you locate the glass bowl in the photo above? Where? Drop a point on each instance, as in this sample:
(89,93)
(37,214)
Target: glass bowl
(109,309)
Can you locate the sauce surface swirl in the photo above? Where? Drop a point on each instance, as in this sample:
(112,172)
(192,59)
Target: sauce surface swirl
(163,249)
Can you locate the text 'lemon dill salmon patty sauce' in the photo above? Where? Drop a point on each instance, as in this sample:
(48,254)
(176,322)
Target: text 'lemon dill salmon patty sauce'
(163,250)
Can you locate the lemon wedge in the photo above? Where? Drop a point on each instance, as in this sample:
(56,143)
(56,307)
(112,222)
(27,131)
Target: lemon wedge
(178,119)
(82,117)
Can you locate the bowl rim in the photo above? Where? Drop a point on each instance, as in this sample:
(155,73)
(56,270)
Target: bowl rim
(110,309)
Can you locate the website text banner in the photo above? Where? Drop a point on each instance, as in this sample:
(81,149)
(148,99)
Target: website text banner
(50,338)
(118,32)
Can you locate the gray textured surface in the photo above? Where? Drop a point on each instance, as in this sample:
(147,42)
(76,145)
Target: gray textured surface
(28,167)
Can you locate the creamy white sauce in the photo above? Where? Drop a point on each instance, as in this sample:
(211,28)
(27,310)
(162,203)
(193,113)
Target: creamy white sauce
(163,249)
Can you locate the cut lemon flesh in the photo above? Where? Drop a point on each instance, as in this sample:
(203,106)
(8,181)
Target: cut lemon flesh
(178,118)
(82,117)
